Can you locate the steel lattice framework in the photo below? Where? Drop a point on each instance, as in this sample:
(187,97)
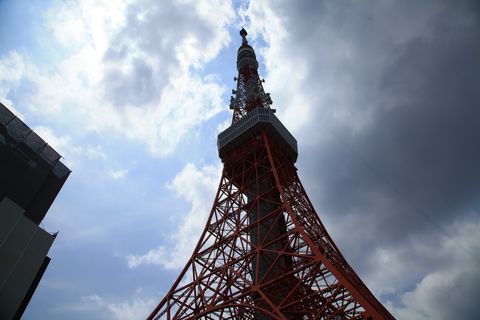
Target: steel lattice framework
(264,253)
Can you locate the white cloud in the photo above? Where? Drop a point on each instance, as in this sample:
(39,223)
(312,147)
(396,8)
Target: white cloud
(136,307)
(68,149)
(118,174)
(149,92)
(56,142)
(132,309)
(182,107)
(12,69)
(95,152)
(76,23)
(224,125)
(198,187)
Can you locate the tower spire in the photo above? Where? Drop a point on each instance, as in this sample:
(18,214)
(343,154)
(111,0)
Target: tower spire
(244,33)
(250,94)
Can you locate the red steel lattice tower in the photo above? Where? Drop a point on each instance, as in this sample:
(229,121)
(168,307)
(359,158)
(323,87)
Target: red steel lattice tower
(264,253)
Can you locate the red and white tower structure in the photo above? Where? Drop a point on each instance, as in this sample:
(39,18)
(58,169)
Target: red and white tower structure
(264,253)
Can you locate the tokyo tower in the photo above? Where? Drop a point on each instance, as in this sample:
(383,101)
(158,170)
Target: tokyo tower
(264,253)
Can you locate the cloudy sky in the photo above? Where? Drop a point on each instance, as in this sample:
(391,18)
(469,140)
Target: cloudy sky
(382,96)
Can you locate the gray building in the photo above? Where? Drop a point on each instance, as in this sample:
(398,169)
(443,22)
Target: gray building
(31,175)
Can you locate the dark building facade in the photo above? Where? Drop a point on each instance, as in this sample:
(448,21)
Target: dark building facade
(31,175)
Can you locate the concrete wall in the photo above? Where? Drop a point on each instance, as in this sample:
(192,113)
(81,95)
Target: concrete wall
(23,248)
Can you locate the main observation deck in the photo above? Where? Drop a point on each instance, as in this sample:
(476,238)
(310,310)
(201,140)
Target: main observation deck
(250,125)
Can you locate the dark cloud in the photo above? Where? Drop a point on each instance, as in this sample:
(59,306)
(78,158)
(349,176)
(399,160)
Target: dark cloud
(403,169)
(143,55)
(423,133)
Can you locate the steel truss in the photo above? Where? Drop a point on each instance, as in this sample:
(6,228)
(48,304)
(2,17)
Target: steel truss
(264,253)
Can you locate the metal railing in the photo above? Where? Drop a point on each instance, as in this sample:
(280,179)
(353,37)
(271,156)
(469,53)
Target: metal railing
(17,135)
(250,120)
